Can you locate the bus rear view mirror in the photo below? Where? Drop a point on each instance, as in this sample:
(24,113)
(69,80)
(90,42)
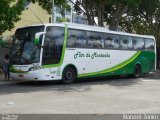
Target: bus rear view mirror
(38,38)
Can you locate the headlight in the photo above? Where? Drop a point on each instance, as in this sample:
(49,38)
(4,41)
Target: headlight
(34,68)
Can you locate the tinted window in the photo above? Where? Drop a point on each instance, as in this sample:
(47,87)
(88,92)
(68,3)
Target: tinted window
(125,42)
(111,41)
(138,43)
(94,40)
(76,38)
(53,45)
(23,49)
(149,44)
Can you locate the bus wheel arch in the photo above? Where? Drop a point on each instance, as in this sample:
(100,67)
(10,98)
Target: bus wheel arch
(69,74)
(137,72)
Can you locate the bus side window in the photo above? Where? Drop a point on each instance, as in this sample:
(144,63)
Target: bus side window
(53,45)
(149,44)
(116,42)
(111,41)
(94,40)
(81,40)
(76,38)
(71,38)
(108,42)
(138,43)
(126,42)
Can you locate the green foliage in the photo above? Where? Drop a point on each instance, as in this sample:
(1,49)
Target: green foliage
(140,16)
(116,9)
(77,8)
(47,5)
(9,14)
(145,19)
(110,11)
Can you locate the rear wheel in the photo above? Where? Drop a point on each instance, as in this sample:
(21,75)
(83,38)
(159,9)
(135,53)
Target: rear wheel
(137,71)
(69,75)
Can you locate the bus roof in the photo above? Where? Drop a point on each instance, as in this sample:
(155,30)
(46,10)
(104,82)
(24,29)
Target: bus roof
(91,28)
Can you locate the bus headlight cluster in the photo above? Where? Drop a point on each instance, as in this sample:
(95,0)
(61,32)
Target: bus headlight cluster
(34,68)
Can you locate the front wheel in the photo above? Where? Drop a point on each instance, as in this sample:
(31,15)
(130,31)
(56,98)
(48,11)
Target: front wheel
(137,71)
(69,75)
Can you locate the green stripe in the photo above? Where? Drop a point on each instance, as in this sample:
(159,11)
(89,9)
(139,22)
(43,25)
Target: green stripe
(119,66)
(14,70)
(63,51)
(36,41)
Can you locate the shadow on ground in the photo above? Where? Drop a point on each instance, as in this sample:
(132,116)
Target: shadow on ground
(153,76)
(80,85)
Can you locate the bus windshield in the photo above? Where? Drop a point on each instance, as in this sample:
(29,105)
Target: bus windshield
(23,50)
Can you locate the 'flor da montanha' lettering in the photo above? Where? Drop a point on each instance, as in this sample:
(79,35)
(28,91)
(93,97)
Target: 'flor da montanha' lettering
(91,55)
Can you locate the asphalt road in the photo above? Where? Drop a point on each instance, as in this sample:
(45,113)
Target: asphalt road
(95,96)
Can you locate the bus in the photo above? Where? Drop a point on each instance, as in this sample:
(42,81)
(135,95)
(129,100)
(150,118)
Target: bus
(67,51)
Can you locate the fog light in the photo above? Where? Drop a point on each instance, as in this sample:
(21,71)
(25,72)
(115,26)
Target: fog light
(34,68)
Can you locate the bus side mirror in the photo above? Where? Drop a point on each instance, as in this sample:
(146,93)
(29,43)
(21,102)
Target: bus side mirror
(38,38)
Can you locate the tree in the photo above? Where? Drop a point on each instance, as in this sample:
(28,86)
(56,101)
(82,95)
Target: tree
(9,14)
(47,5)
(109,11)
(92,9)
(145,19)
(138,16)
(116,9)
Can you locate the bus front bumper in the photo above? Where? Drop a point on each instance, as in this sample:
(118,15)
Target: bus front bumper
(37,75)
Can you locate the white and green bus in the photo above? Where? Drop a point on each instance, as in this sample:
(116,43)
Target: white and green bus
(65,51)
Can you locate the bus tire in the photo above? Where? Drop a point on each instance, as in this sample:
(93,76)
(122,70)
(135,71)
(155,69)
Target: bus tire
(137,71)
(69,75)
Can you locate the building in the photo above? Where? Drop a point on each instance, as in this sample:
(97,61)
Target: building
(32,14)
(80,19)
(68,14)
